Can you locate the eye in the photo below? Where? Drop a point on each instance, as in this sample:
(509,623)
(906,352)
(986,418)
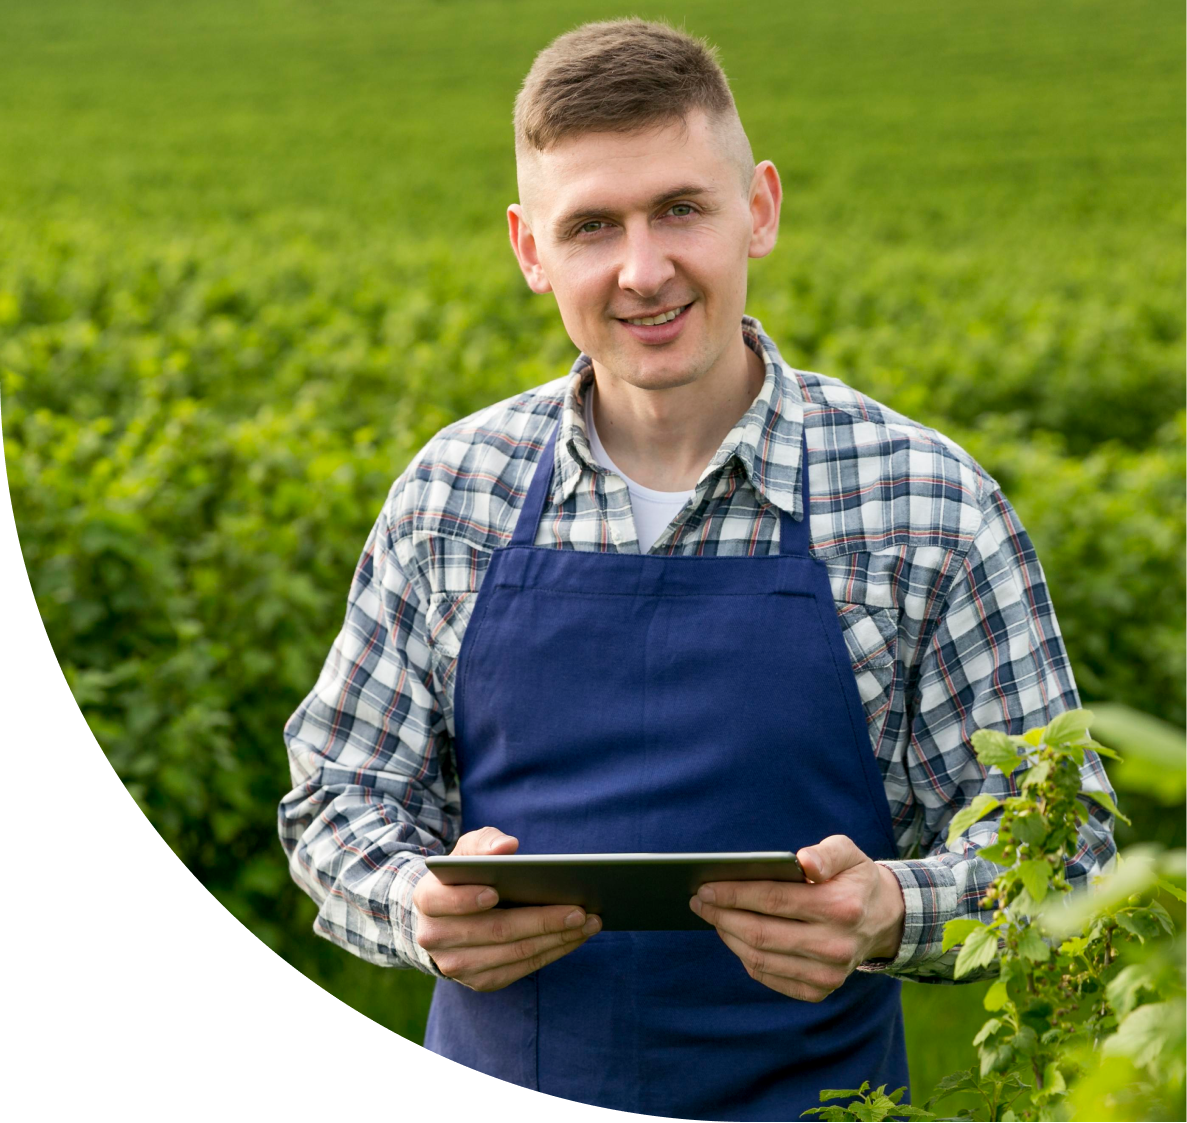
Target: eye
(591,227)
(687,208)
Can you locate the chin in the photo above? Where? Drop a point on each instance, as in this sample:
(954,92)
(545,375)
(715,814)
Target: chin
(664,375)
(661,380)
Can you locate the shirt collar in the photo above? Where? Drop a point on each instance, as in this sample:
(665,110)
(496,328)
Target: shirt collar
(766,441)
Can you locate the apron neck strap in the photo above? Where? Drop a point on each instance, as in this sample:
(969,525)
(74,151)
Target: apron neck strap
(794,537)
(538,489)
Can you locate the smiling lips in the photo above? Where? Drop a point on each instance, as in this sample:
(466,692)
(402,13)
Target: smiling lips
(657,318)
(660,327)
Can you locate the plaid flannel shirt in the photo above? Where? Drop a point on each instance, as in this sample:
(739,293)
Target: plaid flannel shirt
(941,600)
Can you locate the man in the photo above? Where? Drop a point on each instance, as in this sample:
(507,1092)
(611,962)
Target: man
(686,598)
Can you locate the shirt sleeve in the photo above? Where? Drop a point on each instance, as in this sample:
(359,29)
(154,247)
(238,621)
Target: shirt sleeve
(996,660)
(366,750)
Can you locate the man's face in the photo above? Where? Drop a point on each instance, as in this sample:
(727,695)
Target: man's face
(623,227)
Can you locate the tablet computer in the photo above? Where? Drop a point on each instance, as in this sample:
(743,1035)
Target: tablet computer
(630,892)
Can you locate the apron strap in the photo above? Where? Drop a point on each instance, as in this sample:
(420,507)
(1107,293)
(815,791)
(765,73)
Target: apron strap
(795,537)
(538,489)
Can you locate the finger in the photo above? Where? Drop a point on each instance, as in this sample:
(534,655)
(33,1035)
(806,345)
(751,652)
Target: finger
(805,979)
(500,977)
(488,840)
(772,898)
(823,942)
(502,926)
(829,857)
(766,933)
(816,942)
(469,961)
(434,898)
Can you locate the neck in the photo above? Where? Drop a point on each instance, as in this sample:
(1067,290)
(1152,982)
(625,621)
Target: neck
(664,439)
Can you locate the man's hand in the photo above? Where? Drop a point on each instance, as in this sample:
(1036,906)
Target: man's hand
(804,940)
(487,950)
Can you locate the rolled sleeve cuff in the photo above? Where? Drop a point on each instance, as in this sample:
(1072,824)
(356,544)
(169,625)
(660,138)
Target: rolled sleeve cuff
(930,901)
(404,917)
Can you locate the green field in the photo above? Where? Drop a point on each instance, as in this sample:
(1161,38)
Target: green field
(252,255)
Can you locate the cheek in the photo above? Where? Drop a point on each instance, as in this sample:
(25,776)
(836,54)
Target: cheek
(582,295)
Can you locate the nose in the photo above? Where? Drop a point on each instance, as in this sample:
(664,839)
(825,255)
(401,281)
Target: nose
(645,267)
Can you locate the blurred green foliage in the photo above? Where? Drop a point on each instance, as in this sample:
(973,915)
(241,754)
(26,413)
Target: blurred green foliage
(252,256)
(1086,1007)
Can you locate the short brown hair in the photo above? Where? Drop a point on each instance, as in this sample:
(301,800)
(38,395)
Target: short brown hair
(618,76)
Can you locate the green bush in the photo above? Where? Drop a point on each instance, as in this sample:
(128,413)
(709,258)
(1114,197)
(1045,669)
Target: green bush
(1086,1007)
(199,434)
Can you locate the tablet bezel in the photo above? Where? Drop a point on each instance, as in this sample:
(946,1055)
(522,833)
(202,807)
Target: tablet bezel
(629,891)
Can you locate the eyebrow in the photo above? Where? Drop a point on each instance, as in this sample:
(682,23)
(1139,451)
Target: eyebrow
(562,224)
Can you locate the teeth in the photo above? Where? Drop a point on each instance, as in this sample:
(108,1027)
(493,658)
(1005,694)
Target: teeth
(652,320)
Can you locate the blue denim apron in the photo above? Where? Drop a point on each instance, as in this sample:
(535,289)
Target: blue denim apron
(636,702)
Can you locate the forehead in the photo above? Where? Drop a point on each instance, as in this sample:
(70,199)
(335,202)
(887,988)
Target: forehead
(617,171)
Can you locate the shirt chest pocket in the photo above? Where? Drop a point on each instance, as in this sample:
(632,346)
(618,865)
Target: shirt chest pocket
(871,635)
(446,620)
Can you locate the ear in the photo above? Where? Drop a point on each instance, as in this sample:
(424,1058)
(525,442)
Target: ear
(766,197)
(523,242)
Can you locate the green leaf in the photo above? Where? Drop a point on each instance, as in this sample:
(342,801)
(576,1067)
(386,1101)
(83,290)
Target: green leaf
(988,1030)
(995,852)
(958,930)
(1033,947)
(1022,905)
(1036,877)
(1147,1032)
(996,750)
(1073,946)
(1071,725)
(1126,988)
(1025,1040)
(1106,801)
(996,1060)
(1154,759)
(1173,890)
(843,1093)
(882,1106)
(1030,828)
(977,810)
(1037,774)
(1036,1032)
(996,996)
(953,1082)
(1075,914)
(1053,1082)
(980,950)
(1163,917)
(1142,923)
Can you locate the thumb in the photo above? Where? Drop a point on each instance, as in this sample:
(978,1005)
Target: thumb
(488,840)
(830,857)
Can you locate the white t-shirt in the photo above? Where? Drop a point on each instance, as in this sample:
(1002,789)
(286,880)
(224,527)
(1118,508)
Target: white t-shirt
(652,510)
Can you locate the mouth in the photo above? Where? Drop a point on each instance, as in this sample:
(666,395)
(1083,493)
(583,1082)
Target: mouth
(656,318)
